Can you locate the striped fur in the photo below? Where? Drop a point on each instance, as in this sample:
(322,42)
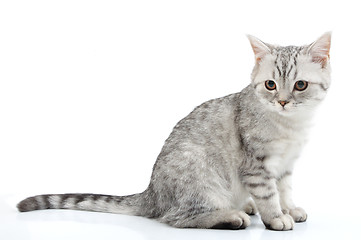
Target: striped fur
(232,155)
(87,202)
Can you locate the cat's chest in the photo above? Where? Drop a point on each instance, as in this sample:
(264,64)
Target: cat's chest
(283,151)
(286,147)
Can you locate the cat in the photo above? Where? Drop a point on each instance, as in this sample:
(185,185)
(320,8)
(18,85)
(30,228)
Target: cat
(232,156)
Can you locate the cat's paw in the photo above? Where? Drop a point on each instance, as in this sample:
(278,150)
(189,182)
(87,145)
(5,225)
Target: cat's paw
(298,214)
(283,223)
(250,208)
(235,220)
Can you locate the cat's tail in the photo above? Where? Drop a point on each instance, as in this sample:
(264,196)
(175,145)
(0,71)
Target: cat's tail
(129,205)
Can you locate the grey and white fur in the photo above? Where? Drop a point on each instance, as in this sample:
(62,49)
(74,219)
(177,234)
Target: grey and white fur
(231,156)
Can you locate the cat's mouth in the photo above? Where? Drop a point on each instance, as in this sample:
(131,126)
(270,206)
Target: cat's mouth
(288,109)
(278,108)
(283,110)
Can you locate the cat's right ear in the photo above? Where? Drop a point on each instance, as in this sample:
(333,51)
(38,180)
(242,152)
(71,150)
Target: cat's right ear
(320,49)
(260,48)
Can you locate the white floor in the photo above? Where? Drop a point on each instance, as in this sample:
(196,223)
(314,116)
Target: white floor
(64,224)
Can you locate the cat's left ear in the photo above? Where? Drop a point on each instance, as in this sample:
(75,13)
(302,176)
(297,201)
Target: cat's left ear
(260,48)
(320,49)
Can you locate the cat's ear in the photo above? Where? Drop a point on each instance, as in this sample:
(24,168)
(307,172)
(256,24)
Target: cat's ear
(260,48)
(320,49)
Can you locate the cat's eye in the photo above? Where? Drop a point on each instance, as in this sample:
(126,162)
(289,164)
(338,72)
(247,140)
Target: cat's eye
(270,85)
(301,85)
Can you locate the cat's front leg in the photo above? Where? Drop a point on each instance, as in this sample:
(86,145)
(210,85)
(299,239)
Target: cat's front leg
(263,189)
(284,184)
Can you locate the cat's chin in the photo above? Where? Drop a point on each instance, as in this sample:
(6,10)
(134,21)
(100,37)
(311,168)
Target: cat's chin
(285,111)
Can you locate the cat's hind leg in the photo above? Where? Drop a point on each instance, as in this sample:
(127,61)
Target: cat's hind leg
(218,219)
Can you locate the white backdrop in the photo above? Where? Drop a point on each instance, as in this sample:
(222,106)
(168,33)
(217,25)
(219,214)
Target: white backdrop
(89,90)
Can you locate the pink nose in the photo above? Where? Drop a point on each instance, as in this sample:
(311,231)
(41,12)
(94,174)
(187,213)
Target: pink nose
(283,102)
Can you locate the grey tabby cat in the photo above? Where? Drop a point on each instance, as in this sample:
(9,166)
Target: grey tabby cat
(233,155)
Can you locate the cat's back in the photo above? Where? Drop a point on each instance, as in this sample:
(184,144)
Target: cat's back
(211,120)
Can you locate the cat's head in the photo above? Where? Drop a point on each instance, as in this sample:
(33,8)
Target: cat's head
(291,79)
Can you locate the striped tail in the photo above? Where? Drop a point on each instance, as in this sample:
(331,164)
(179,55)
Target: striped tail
(129,205)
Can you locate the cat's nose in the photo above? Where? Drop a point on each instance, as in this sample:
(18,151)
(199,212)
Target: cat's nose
(283,102)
